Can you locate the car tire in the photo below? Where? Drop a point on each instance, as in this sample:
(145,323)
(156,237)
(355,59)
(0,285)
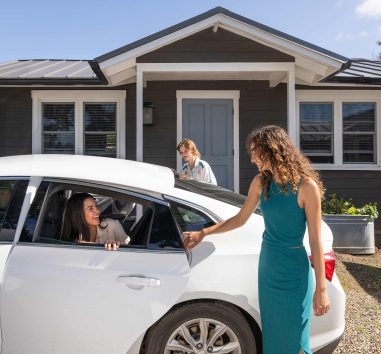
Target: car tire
(168,332)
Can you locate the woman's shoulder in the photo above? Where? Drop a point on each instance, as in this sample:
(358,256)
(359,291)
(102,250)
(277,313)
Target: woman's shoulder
(308,186)
(256,184)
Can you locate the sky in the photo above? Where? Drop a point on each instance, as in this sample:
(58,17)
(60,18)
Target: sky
(84,29)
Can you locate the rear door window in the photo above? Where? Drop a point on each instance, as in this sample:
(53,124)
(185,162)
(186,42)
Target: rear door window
(12,194)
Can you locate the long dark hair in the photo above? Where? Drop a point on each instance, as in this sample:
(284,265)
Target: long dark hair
(274,146)
(74,221)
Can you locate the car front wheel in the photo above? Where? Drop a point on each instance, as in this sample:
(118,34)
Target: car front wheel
(201,328)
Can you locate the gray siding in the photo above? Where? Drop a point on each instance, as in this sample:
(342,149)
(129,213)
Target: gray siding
(360,186)
(15,121)
(209,46)
(259,105)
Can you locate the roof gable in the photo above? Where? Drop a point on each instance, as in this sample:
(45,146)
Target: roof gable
(312,63)
(209,14)
(214,46)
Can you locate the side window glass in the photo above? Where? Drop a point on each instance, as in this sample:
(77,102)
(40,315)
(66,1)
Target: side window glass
(12,193)
(164,232)
(190,219)
(33,214)
(60,217)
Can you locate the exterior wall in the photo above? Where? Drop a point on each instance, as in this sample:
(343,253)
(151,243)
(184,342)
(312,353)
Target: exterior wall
(15,121)
(360,186)
(259,105)
(209,46)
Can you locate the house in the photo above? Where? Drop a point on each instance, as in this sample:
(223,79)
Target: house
(212,78)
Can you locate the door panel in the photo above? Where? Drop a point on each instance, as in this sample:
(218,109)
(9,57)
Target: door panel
(209,122)
(79,299)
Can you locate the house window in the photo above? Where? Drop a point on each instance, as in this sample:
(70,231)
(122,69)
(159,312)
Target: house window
(100,129)
(83,122)
(359,132)
(58,128)
(339,129)
(316,131)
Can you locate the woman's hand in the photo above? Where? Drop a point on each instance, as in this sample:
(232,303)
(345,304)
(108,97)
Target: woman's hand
(321,302)
(192,238)
(112,245)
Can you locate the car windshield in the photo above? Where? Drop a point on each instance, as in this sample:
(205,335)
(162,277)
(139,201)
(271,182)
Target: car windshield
(212,191)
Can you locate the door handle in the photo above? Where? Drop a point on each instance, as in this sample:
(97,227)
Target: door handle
(139,281)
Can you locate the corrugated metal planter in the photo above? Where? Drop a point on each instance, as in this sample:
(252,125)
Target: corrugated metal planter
(352,234)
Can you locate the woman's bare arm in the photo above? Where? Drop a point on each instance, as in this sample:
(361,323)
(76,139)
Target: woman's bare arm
(192,239)
(311,202)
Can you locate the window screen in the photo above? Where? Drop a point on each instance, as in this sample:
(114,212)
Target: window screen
(359,133)
(100,129)
(58,128)
(316,131)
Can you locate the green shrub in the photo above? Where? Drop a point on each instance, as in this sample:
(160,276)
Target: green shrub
(335,205)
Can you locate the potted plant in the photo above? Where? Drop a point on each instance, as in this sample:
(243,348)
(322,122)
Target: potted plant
(352,227)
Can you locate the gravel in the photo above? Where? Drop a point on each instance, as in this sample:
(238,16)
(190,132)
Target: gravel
(360,277)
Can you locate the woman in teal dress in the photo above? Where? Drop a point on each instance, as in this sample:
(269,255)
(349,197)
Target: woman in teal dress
(289,193)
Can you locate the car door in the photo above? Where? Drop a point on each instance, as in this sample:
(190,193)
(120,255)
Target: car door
(68,298)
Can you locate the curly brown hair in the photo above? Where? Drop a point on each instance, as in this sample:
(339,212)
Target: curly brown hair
(273,145)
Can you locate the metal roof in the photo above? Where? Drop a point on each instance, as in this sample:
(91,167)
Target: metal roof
(49,71)
(358,71)
(210,13)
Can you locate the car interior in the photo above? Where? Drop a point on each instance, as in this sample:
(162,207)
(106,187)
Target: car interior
(135,216)
(149,224)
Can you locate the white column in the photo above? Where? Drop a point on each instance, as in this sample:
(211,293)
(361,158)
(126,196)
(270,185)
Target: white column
(139,113)
(36,126)
(291,104)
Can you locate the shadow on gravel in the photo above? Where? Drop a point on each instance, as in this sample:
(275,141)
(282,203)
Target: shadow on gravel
(368,277)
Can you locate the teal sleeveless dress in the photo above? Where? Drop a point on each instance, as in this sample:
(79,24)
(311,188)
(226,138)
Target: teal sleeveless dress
(284,275)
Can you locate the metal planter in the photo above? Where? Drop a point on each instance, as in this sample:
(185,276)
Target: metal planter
(352,234)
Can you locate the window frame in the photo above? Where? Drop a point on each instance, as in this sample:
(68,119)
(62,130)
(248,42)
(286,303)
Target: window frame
(337,98)
(79,98)
(54,186)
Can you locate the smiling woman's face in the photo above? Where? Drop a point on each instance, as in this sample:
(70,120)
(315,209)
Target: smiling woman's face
(91,212)
(256,160)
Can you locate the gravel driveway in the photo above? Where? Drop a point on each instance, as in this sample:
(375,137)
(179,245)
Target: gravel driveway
(360,277)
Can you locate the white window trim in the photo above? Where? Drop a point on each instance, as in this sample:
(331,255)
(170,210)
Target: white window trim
(79,97)
(337,97)
(211,94)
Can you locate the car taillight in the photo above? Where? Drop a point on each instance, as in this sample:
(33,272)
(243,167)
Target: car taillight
(329,261)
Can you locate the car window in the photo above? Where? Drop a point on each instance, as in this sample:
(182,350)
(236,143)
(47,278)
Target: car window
(190,219)
(12,194)
(34,213)
(122,215)
(164,232)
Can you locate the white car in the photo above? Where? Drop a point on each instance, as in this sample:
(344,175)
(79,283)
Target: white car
(148,297)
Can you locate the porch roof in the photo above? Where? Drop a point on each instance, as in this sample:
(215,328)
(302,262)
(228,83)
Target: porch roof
(312,63)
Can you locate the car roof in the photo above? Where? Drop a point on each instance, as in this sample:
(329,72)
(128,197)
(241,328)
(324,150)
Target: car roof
(90,168)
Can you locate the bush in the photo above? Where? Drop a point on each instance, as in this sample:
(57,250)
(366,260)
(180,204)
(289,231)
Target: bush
(335,205)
